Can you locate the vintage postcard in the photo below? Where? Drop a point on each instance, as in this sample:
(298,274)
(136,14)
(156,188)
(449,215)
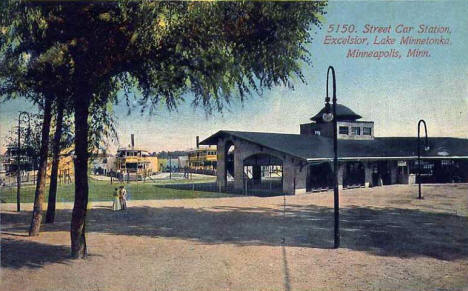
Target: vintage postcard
(233,145)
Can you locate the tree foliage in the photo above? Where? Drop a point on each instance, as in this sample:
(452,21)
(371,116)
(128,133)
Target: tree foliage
(31,134)
(164,49)
(158,52)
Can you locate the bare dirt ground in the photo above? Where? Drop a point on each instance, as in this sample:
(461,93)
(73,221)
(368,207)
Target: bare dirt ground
(389,241)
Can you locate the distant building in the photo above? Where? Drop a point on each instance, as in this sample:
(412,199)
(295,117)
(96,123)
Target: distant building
(183,162)
(10,160)
(133,161)
(203,159)
(299,163)
(103,164)
(66,167)
(2,167)
(169,164)
(28,168)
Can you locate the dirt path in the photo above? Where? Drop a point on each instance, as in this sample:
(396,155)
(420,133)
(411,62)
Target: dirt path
(390,241)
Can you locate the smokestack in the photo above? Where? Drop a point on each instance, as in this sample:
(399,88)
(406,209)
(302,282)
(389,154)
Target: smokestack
(132,137)
(198,141)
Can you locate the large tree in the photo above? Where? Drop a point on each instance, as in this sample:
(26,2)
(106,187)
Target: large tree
(56,147)
(29,70)
(40,72)
(167,52)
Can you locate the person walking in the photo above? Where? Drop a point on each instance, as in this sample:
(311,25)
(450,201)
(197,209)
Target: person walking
(123,197)
(116,205)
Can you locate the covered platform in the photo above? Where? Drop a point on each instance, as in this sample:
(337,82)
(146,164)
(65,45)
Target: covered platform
(302,163)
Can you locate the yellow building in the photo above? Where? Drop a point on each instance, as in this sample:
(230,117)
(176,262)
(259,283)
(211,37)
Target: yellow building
(66,169)
(137,161)
(203,159)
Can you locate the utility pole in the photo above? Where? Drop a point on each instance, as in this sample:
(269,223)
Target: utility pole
(18,171)
(330,116)
(426,148)
(18,160)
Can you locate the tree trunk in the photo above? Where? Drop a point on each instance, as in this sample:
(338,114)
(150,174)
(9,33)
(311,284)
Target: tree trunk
(50,215)
(42,171)
(78,223)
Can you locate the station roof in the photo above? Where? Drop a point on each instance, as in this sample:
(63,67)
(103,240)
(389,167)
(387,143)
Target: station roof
(342,113)
(314,147)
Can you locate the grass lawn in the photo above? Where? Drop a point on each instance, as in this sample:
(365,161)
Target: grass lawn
(102,191)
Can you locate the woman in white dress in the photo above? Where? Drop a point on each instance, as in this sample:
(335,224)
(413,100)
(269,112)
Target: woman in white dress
(116,205)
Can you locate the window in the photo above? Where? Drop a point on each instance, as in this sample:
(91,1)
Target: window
(367,131)
(356,130)
(447,162)
(344,130)
(317,132)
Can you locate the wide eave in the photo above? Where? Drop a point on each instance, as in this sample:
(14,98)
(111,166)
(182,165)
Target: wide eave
(312,147)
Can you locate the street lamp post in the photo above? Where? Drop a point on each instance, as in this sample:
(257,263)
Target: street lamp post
(18,160)
(426,147)
(328,117)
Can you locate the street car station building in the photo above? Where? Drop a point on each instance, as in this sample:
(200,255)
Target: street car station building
(299,163)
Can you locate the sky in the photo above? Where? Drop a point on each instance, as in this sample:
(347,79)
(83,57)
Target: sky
(394,93)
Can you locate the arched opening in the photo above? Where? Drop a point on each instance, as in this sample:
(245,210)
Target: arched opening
(319,177)
(229,161)
(381,174)
(263,175)
(354,175)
